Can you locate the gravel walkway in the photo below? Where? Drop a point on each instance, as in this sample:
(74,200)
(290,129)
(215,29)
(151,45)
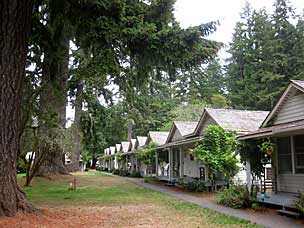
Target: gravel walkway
(266,220)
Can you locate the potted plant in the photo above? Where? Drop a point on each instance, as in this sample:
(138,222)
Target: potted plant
(267,147)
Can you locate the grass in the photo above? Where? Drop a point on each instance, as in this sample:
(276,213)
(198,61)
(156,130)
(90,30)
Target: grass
(98,190)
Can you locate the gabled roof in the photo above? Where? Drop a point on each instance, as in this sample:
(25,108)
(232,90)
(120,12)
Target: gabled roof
(118,148)
(294,84)
(141,140)
(133,144)
(183,127)
(113,149)
(241,121)
(158,137)
(126,146)
(107,150)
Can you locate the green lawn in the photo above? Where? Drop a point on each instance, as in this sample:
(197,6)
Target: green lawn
(140,205)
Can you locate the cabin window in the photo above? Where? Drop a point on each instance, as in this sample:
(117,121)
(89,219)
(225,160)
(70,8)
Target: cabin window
(299,153)
(284,155)
(191,156)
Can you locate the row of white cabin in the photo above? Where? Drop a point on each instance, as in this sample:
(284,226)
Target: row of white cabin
(284,124)
(174,157)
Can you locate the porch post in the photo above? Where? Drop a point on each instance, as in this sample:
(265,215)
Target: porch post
(156,164)
(126,162)
(170,153)
(181,162)
(248,175)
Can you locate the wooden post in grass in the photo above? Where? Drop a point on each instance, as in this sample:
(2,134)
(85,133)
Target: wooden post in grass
(75,183)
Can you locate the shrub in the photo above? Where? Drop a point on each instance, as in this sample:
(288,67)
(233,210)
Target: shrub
(99,168)
(192,185)
(116,172)
(300,203)
(123,173)
(135,174)
(237,196)
(149,179)
(111,170)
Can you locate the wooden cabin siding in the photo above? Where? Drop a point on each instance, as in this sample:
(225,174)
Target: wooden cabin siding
(241,176)
(191,167)
(176,136)
(291,183)
(209,121)
(292,110)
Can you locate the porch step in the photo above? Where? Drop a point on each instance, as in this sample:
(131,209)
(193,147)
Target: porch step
(289,213)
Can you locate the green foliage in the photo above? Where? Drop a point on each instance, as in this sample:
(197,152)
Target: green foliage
(116,172)
(92,126)
(218,101)
(267,147)
(185,112)
(192,185)
(250,151)
(149,179)
(123,173)
(135,174)
(263,56)
(236,196)
(218,151)
(300,203)
(147,155)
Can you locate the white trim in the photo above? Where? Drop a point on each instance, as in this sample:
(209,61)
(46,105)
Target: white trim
(292,155)
(291,85)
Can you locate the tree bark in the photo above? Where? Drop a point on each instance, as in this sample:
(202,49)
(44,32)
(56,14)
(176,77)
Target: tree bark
(15,18)
(53,100)
(75,153)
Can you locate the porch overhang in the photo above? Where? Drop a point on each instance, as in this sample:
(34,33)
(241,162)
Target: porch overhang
(296,127)
(181,142)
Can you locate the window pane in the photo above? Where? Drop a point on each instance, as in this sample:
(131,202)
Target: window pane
(299,153)
(284,145)
(285,164)
(284,155)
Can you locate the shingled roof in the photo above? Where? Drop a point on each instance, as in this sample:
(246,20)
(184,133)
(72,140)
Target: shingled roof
(299,83)
(125,146)
(159,137)
(113,149)
(141,140)
(118,148)
(242,121)
(133,144)
(185,127)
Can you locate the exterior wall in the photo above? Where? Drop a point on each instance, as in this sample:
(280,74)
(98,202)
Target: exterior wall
(292,110)
(291,183)
(241,176)
(176,136)
(191,167)
(209,121)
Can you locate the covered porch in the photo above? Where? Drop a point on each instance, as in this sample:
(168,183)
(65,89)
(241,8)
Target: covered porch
(169,164)
(286,200)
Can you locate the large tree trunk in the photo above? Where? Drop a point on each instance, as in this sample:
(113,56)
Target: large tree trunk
(53,100)
(55,75)
(75,153)
(14,31)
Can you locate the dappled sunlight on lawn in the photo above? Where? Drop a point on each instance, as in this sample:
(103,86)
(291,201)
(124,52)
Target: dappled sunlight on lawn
(108,201)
